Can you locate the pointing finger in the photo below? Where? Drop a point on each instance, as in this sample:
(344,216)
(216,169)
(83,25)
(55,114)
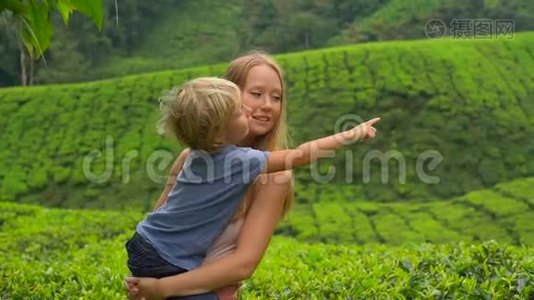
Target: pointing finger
(372,121)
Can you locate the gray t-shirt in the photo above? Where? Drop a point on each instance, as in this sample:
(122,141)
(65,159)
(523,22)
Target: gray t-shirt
(206,195)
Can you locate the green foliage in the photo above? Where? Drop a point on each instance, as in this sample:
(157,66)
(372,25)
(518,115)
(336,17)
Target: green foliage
(406,19)
(92,9)
(37,29)
(110,125)
(35,22)
(141,36)
(500,213)
(292,270)
(196,43)
(65,254)
(53,254)
(397,19)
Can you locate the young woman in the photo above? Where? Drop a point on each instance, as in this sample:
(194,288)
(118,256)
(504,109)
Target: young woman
(239,249)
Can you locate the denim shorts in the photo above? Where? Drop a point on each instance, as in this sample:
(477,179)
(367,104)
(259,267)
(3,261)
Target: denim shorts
(144,261)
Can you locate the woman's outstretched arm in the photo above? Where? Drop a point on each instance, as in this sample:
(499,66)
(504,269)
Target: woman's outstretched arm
(260,222)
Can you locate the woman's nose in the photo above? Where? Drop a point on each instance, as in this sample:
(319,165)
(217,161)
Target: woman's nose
(267,103)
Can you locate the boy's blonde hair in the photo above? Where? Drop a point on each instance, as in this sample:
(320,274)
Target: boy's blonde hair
(197,112)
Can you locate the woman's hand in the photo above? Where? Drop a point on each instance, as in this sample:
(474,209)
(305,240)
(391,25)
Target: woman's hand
(366,130)
(143,288)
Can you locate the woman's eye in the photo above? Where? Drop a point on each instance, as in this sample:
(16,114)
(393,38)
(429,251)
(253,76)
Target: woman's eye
(255,94)
(277,98)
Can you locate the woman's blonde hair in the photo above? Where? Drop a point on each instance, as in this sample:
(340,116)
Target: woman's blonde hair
(278,137)
(197,112)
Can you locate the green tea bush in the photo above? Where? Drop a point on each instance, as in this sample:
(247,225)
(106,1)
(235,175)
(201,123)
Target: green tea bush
(504,213)
(66,254)
(467,100)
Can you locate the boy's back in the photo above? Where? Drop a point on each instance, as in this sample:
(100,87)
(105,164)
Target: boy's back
(206,195)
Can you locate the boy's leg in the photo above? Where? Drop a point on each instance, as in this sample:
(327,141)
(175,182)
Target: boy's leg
(206,296)
(144,261)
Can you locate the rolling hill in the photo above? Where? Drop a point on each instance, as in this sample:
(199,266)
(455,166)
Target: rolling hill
(330,214)
(94,145)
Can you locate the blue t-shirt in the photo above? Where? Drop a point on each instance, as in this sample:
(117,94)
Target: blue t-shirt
(206,196)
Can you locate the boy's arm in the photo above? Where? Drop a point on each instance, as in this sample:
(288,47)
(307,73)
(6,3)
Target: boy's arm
(171,180)
(313,150)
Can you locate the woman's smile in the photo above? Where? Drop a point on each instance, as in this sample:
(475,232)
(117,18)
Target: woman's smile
(263,119)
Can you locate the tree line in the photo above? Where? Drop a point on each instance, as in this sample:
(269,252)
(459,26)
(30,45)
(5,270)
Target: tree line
(77,50)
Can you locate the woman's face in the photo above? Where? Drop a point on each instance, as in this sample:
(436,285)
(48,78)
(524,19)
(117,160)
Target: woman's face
(263,95)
